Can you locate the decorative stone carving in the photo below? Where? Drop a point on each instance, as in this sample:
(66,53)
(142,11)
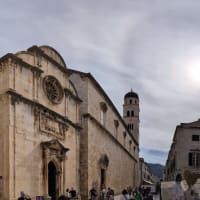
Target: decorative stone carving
(53,89)
(55,150)
(51,126)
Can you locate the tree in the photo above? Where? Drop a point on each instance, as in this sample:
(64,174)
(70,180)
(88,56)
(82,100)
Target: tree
(191,178)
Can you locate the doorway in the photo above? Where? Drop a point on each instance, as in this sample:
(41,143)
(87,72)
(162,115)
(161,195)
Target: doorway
(103,177)
(52,180)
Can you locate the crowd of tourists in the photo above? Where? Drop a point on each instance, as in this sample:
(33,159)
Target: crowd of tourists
(105,194)
(140,193)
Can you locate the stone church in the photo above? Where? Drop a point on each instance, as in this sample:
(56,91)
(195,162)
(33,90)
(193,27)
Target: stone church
(59,129)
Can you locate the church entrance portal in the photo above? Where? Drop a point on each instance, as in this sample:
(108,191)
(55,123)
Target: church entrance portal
(52,180)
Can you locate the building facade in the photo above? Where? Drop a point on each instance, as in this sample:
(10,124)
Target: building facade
(59,129)
(146,176)
(109,149)
(184,153)
(39,126)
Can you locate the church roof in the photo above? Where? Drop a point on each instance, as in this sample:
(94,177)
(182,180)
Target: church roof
(131,94)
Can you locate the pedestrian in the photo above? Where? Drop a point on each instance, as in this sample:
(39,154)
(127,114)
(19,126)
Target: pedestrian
(67,194)
(93,194)
(22,196)
(178,193)
(72,193)
(103,193)
(138,194)
(124,195)
(112,194)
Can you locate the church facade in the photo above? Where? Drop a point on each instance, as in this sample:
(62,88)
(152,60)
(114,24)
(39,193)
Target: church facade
(39,126)
(59,129)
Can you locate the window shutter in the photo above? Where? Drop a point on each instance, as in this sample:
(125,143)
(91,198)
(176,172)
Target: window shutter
(190,159)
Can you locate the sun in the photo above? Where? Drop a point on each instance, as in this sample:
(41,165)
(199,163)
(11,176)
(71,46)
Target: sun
(194,73)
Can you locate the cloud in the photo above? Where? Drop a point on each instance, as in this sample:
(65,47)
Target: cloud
(147,46)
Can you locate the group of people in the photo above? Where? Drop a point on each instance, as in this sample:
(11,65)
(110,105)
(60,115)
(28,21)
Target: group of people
(104,194)
(69,194)
(140,193)
(24,196)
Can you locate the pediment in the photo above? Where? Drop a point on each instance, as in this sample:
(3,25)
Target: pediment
(54,145)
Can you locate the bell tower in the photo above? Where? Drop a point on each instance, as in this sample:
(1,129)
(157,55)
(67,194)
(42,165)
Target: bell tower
(131,113)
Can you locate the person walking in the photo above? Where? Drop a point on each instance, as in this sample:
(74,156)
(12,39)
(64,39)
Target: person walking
(178,193)
(93,194)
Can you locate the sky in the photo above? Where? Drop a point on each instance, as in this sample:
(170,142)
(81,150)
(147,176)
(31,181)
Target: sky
(152,47)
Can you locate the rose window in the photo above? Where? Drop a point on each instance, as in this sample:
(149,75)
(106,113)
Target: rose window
(53,89)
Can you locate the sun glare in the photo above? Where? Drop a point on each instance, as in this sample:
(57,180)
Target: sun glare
(194,73)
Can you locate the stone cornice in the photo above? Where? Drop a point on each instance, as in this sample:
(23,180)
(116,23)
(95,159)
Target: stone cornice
(18,97)
(69,92)
(21,62)
(89,116)
(38,51)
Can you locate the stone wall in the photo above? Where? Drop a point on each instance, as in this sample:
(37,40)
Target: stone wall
(120,171)
(97,139)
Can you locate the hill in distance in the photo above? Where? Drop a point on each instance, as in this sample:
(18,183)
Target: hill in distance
(156,169)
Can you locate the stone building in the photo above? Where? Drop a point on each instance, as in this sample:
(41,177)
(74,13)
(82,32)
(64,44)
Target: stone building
(146,176)
(184,153)
(59,129)
(108,142)
(39,125)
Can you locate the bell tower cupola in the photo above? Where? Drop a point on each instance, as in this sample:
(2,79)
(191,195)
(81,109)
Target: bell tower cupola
(131,113)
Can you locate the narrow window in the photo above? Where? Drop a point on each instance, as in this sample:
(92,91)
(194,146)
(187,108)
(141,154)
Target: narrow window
(116,123)
(190,159)
(128,113)
(132,113)
(130,101)
(102,117)
(130,142)
(103,109)
(124,133)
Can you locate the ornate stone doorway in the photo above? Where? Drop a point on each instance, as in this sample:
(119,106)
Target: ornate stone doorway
(52,180)
(54,156)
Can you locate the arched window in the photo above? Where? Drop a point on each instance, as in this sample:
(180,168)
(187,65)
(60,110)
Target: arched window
(116,123)
(130,101)
(128,113)
(103,109)
(132,113)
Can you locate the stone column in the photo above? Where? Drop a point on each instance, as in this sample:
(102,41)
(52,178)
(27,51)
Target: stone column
(45,172)
(64,175)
